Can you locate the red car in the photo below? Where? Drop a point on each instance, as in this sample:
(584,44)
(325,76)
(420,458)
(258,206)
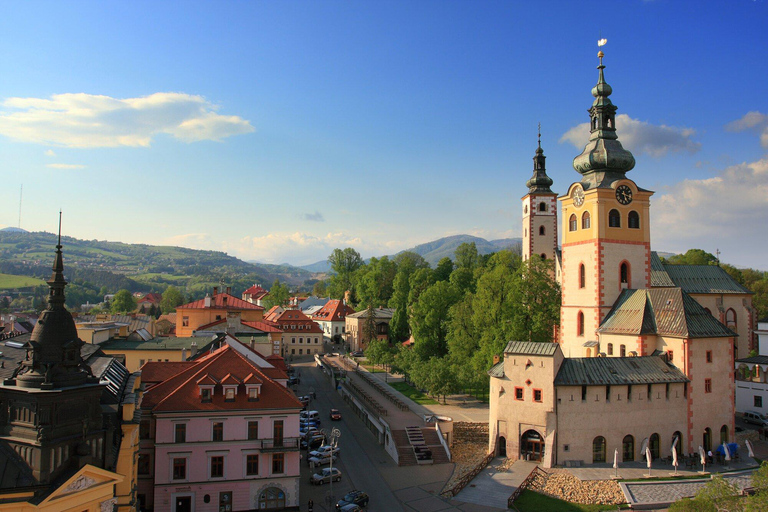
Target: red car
(335,414)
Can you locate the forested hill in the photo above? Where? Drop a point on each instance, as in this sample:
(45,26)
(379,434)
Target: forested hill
(111,266)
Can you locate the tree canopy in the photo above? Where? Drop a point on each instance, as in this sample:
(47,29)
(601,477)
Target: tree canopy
(123,302)
(172,298)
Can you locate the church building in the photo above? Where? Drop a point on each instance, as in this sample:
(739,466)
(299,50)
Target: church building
(644,351)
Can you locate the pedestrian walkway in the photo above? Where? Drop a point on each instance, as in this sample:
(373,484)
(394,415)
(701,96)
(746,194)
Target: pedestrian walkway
(492,487)
(659,469)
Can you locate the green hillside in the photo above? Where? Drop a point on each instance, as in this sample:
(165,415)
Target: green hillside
(11,282)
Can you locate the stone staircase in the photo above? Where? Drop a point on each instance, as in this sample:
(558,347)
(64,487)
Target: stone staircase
(405,453)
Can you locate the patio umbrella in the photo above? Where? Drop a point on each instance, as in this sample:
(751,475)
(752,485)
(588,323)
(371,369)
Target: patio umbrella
(749,449)
(616,461)
(644,445)
(703,457)
(648,459)
(674,442)
(674,457)
(727,452)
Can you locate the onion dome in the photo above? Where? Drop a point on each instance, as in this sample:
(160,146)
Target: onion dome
(603,160)
(539,182)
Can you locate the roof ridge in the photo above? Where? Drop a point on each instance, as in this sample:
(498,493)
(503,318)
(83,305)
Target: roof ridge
(205,363)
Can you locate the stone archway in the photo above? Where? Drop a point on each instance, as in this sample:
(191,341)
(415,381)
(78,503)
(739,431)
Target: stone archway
(502,446)
(532,446)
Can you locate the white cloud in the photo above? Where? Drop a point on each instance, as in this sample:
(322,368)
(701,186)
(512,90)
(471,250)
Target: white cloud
(80,120)
(50,152)
(65,166)
(641,137)
(754,121)
(729,209)
(200,241)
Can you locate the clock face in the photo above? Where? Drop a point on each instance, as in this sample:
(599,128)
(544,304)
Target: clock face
(578,197)
(624,194)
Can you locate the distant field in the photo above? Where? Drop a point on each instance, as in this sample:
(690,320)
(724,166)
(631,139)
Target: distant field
(9,282)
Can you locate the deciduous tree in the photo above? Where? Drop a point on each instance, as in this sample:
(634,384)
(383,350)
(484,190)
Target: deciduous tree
(123,302)
(172,298)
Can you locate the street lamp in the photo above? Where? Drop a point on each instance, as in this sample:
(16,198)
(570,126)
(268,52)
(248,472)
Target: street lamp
(333,440)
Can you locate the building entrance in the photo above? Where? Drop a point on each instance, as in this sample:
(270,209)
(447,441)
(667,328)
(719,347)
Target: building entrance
(531,446)
(183,504)
(502,446)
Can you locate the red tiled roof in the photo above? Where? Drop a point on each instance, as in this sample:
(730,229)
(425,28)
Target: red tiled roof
(181,391)
(252,379)
(154,298)
(221,301)
(158,371)
(333,311)
(265,326)
(256,292)
(278,362)
(293,320)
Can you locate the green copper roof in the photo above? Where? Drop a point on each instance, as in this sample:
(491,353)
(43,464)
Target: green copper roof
(659,276)
(662,311)
(604,160)
(601,371)
(539,182)
(531,348)
(703,279)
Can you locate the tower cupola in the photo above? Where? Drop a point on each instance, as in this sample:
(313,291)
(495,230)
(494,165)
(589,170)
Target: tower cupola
(539,182)
(603,160)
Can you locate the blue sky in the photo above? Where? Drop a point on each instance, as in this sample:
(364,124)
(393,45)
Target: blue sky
(277,131)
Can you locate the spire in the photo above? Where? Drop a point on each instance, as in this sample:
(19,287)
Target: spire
(57,282)
(539,182)
(603,160)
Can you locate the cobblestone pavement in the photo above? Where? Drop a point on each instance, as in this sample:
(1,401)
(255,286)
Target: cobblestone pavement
(663,493)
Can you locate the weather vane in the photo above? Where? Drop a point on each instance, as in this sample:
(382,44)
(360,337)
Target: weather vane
(600,43)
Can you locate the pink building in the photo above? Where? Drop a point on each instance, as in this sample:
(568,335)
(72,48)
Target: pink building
(218,433)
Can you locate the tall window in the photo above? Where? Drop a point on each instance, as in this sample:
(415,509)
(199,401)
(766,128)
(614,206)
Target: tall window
(582,276)
(542,230)
(598,449)
(628,448)
(724,434)
(580,324)
(542,207)
(180,433)
(572,223)
(707,439)
(654,444)
(614,219)
(278,463)
(707,385)
(217,467)
(253,430)
(622,351)
(586,220)
(252,464)
(218,431)
(730,318)
(633,220)
(179,468)
(610,349)
(624,273)
(143,464)
(277,432)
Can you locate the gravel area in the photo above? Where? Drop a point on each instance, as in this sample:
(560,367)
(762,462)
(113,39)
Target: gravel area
(560,484)
(470,447)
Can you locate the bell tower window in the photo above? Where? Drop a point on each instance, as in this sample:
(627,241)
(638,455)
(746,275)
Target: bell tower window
(542,207)
(586,221)
(624,275)
(614,219)
(572,223)
(633,221)
(580,324)
(542,230)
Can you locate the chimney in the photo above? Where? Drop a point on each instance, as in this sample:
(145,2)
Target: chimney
(253,343)
(183,354)
(207,301)
(215,290)
(193,349)
(229,290)
(496,359)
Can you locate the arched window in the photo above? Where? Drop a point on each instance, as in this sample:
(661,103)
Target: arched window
(542,207)
(582,276)
(272,499)
(586,220)
(624,274)
(622,351)
(580,324)
(724,434)
(525,209)
(654,444)
(633,220)
(628,448)
(598,450)
(707,439)
(730,318)
(614,219)
(543,256)
(610,349)
(572,223)
(542,230)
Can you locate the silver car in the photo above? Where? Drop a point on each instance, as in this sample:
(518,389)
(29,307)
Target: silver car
(326,475)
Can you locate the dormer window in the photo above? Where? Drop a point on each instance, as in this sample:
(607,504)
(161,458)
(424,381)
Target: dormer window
(229,393)
(253,393)
(206,393)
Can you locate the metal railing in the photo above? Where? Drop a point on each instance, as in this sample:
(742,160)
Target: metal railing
(453,491)
(534,472)
(286,443)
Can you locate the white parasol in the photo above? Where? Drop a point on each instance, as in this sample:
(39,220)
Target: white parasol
(703,457)
(616,461)
(749,449)
(727,452)
(648,456)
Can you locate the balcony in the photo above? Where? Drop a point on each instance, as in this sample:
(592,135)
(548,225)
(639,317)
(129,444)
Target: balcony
(285,444)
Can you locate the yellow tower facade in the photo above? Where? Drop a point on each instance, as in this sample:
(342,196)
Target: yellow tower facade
(606,243)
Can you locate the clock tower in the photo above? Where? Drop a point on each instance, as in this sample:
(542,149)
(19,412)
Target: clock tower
(539,212)
(606,231)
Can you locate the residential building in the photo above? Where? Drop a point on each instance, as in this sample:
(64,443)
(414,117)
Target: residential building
(355,327)
(255,295)
(191,316)
(752,376)
(301,335)
(264,336)
(134,351)
(332,319)
(637,341)
(218,433)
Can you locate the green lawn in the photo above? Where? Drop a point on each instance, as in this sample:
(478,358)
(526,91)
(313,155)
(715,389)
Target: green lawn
(412,393)
(9,282)
(530,501)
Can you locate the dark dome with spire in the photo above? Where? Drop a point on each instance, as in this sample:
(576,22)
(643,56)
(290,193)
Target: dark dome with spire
(539,182)
(53,351)
(603,160)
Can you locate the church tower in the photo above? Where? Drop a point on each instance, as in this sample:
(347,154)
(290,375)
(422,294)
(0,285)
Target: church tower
(539,212)
(606,230)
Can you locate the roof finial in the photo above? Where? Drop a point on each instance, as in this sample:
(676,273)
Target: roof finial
(539,135)
(59,244)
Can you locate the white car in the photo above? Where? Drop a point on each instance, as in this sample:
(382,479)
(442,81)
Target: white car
(326,475)
(324,451)
(320,461)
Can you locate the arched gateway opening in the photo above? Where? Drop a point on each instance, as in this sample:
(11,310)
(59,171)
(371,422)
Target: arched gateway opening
(531,446)
(502,446)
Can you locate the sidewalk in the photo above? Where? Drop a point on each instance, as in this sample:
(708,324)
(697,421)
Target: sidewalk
(492,488)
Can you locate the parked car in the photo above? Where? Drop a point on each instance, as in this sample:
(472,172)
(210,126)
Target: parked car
(326,475)
(313,442)
(308,432)
(335,415)
(355,497)
(305,399)
(756,418)
(359,353)
(349,507)
(293,380)
(320,461)
(324,450)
